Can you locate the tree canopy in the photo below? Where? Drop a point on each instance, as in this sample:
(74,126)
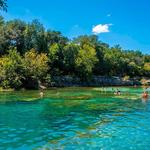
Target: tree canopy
(29,51)
(3,5)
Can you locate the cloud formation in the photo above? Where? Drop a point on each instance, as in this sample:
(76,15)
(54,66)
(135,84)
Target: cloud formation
(108,15)
(101,28)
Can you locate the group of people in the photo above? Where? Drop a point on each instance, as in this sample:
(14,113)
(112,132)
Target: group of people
(144,94)
(117,92)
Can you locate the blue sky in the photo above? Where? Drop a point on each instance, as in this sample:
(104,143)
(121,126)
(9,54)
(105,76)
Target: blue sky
(124,22)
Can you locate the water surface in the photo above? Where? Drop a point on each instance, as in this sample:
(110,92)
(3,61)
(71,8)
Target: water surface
(75,118)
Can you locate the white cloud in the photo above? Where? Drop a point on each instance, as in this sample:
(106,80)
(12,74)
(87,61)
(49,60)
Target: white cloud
(108,15)
(101,28)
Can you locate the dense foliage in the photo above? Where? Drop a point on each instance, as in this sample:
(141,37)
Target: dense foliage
(30,54)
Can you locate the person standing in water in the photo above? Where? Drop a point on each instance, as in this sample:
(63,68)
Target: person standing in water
(41,94)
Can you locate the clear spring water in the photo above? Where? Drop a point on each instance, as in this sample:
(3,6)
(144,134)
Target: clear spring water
(74,119)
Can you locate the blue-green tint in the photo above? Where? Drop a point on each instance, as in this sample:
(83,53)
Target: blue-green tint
(75,118)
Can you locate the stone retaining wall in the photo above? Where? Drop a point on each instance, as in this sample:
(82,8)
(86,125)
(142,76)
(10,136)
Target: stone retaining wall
(66,81)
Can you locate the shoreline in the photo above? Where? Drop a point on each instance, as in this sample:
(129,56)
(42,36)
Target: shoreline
(53,88)
(95,81)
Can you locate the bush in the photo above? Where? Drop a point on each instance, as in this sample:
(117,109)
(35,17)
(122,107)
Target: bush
(11,70)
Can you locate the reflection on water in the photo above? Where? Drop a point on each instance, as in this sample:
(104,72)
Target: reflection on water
(74,118)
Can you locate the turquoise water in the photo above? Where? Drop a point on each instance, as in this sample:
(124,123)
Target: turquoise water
(74,119)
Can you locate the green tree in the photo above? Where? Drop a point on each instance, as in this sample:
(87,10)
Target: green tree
(56,55)
(1,21)
(54,60)
(70,53)
(15,33)
(35,67)
(56,37)
(114,61)
(11,74)
(2,37)
(3,5)
(52,53)
(100,68)
(35,37)
(12,35)
(85,61)
(147,66)
(134,69)
(147,69)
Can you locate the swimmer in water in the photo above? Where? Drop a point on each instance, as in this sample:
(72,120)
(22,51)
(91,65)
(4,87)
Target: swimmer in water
(118,92)
(41,94)
(145,95)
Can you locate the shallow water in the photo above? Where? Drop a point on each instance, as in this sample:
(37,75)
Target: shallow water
(75,118)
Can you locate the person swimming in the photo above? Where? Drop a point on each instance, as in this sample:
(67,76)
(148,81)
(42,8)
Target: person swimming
(118,92)
(41,94)
(145,95)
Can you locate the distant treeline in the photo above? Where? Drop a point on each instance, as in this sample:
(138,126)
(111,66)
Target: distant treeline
(30,54)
